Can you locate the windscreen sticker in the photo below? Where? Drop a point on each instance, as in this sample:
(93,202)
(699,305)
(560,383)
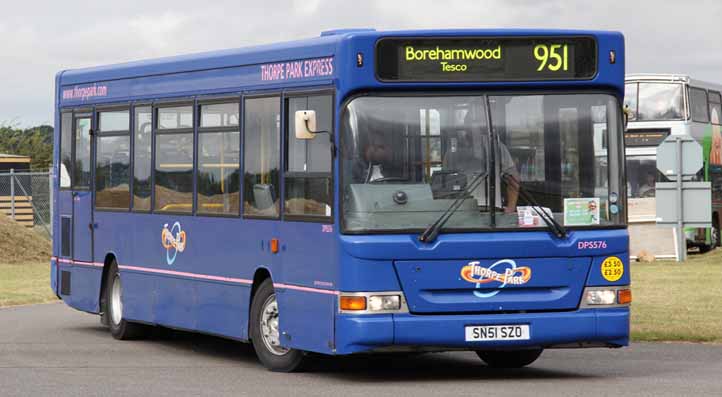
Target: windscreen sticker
(581,211)
(529,217)
(612,269)
(504,271)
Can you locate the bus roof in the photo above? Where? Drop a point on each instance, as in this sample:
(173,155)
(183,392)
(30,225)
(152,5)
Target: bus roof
(323,45)
(239,68)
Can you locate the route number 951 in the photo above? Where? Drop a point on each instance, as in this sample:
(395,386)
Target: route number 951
(552,57)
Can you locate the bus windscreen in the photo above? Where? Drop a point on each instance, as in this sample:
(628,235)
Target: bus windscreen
(486,59)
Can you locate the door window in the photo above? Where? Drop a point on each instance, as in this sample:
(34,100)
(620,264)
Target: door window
(81,175)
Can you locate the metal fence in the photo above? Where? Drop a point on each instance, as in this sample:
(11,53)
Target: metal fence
(26,197)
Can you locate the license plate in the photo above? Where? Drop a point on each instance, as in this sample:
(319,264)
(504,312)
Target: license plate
(476,333)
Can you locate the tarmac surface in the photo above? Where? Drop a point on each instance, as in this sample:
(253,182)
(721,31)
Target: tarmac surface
(54,350)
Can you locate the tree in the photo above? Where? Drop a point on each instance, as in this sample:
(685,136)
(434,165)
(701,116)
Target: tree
(36,142)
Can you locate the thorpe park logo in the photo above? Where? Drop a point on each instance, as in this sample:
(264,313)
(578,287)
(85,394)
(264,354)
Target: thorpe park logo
(504,271)
(173,240)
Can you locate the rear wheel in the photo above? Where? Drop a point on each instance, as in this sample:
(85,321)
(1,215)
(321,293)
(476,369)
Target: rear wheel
(714,233)
(119,327)
(509,358)
(265,335)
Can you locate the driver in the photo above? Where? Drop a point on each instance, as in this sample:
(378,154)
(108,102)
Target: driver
(376,161)
(647,190)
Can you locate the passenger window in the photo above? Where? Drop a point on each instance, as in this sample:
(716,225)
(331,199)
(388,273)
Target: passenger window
(142,158)
(308,187)
(715,108)
(66,150)
(261,120)
(114,121)
(219,115)
(174,160)
(219,142)
(81,168)
(112,172)
(698,105)
(112,163)
(175,117)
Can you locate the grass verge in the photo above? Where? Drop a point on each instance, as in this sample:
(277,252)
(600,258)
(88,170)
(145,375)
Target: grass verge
(25,283)
(678,302)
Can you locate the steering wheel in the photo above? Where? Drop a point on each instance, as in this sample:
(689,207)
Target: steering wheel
(388,179)
(648,193)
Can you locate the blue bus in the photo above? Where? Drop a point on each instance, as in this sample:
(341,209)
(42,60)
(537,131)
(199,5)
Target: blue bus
(357,192)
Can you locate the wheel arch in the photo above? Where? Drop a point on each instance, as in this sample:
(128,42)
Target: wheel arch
(259,276)
(110,257)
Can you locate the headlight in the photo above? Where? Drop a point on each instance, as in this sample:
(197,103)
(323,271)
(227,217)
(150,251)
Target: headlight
(606,296)
(372,302)
(384,302)
(601,297)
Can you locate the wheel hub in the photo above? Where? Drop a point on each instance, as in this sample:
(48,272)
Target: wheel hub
(116,304)
(269,327)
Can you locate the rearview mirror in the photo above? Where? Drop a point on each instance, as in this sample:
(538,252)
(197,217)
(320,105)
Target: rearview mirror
(305,121)
(626,114)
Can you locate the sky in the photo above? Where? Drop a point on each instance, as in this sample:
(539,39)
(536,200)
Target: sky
(40,38)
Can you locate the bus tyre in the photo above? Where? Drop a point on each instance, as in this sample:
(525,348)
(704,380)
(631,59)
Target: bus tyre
(265,335)
(119,327)
(509,358)
(714,233)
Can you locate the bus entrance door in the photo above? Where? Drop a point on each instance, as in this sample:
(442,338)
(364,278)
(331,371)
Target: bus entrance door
(82,194)
(82,273)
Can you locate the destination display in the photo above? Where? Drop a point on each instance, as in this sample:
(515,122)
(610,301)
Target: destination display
(486,59)
(633,138)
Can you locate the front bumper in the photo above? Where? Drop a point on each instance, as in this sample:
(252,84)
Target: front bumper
(584,327)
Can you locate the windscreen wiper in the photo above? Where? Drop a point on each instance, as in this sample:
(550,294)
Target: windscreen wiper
(432,231)
(554,226)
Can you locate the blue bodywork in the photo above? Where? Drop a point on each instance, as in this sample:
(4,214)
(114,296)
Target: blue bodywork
(208,287)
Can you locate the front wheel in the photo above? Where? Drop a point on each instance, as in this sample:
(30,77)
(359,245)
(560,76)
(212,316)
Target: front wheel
(509,358)
(265,335)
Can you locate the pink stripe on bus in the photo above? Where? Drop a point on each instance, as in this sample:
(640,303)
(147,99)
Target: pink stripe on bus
(197,276)
(185,274)
(74,262)
(305,289)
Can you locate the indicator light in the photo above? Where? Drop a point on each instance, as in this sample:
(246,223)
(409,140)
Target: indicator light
(624,296)
(353,303)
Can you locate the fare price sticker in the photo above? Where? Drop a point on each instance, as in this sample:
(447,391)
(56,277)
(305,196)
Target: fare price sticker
(612,269)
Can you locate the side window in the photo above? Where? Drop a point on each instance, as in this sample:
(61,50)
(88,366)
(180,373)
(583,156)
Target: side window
(174,160)
(698,105)
(81,167)
(715,108)
(142,158)
(261,126)
(219,144)
(112,163)
(308,186)
(66,150)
